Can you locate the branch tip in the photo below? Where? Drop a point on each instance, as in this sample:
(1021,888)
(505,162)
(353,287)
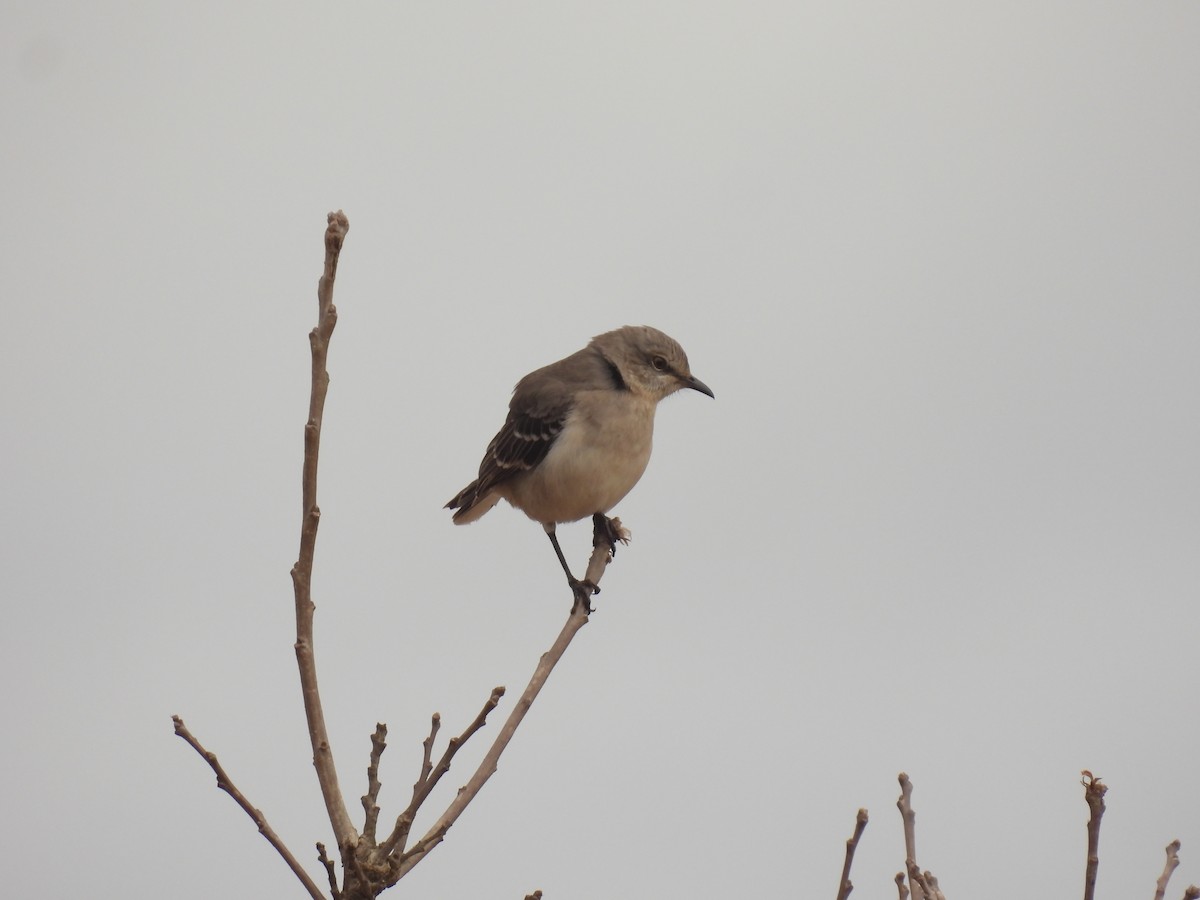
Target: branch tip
(845,886)
(1093,792)
(226,784)
(1160,887)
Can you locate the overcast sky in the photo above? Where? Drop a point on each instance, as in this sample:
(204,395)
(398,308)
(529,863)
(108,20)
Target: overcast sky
(940,263)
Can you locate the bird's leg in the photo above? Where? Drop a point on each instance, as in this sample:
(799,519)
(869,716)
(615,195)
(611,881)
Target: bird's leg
(583,590)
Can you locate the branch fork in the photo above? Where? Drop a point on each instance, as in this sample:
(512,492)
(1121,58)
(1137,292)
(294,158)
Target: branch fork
(369,867)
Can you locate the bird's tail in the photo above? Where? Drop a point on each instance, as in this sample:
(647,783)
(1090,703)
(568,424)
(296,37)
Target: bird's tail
(468,505)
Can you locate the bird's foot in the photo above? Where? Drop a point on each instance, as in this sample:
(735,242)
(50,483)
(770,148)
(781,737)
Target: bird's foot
(610,531)
(583,591)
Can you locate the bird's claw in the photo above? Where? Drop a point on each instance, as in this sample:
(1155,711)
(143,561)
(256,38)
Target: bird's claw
(583,591)
(610,531)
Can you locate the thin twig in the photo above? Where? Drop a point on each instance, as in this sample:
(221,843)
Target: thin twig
(225,784)
(430,776)
(604,547)
(909,816)
(370,800)
(435,723)
(575,621)
(1172,864)
(335,803)
(923,883)
(845,886)
(323,859)
(602,552)
(1093,793)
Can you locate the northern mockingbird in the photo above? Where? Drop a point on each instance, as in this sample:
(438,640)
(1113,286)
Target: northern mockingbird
(578,435)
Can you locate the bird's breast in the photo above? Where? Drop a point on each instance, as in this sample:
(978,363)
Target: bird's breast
(596,460)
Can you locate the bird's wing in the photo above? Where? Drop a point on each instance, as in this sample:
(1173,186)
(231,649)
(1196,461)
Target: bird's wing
(540,405)
(536,416)
(528,434)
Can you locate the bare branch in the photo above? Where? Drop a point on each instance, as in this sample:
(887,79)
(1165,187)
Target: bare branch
(1093,793)
(370,800)
(430,775)
(909,816)
(603,548)
(427,758)
(335,803)
(916,880)
(401,861)
(901,887)
(225,784)
(923,883)
(324,860)
(845,886)
(1172,864)
(487,767)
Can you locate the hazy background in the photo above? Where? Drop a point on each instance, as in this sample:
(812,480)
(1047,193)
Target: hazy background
(940,263)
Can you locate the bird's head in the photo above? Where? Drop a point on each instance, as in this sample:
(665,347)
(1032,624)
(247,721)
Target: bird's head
(649,362)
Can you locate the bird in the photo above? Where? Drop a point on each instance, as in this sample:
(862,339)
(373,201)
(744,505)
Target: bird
(578,437)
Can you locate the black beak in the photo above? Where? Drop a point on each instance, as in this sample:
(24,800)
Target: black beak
(697,385)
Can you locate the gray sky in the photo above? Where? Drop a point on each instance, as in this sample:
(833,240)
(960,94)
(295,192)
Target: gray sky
(938,261)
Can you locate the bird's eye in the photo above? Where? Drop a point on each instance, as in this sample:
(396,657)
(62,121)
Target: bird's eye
(659,363)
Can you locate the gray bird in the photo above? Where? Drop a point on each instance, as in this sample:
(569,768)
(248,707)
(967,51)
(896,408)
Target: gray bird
(578,435)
